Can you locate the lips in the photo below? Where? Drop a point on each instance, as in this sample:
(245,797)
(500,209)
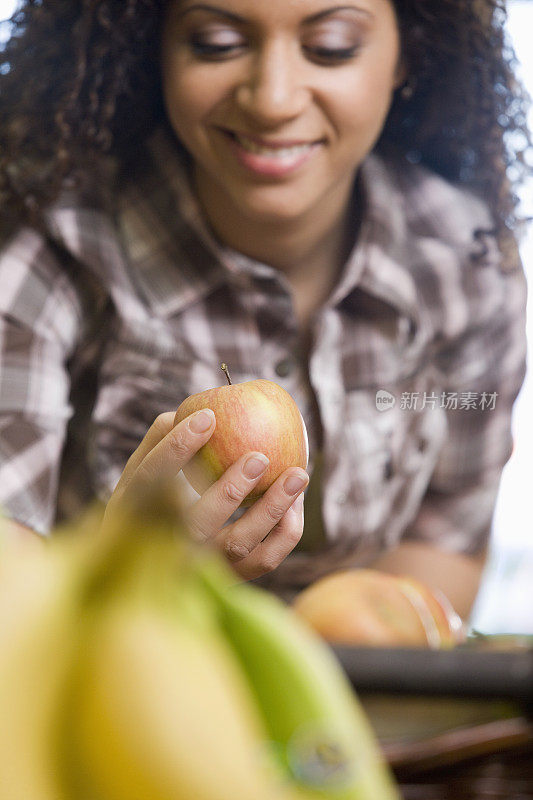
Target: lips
(276,147)
(273,158)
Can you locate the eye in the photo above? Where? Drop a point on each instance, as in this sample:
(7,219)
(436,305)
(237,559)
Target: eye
(331,56)
(216,43)
(213,50)
(333,41)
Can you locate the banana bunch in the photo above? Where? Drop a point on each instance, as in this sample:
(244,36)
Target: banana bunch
(133,667)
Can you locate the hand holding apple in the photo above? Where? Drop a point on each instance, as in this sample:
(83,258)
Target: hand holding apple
(261,538)
(257,415)
(369,607)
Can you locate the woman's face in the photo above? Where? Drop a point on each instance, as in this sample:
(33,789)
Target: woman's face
(279,101)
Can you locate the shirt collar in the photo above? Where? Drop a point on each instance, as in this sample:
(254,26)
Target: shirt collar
(381,259)
(161,225)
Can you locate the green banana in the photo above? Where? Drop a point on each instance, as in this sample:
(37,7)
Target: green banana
(320,733)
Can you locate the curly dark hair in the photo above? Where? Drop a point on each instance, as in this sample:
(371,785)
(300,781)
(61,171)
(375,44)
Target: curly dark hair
(80,81)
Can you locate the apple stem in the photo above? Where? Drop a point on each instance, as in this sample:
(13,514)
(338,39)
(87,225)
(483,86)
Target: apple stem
(224,368)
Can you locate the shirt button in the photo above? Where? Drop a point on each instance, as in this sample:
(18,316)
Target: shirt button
(341,499)
(284,367)
(423,444)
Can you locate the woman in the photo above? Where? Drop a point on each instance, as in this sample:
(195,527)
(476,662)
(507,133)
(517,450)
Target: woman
(314,193)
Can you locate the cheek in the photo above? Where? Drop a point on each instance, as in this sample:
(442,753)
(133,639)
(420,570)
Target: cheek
(188,93)
(196,99)
(360,107)
(180,98)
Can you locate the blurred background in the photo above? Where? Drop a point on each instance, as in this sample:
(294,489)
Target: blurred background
(505,602)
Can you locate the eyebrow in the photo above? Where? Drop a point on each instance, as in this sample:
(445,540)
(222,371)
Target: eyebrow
(222,12)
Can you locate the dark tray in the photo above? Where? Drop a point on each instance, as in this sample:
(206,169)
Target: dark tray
(452,724)
(466,671)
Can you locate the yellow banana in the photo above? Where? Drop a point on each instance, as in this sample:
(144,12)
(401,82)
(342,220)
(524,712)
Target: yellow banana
(322,735)
(131,668)
(37,644)
(42,594)
(163,712)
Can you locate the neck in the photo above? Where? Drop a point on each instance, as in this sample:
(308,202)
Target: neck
(322,236)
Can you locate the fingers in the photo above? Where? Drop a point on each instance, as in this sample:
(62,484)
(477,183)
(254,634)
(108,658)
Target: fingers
(281,540)
(264,515)
(158,430)
(166,449)
(276,518)
(259,541)
(208,515)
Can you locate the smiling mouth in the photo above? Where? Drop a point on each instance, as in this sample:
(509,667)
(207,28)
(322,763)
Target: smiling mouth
(277,150)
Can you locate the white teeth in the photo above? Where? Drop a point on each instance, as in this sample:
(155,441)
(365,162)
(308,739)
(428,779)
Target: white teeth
(272,152)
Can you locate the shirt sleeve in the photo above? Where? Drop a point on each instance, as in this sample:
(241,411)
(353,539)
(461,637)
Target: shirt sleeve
(480,373)
(40,316)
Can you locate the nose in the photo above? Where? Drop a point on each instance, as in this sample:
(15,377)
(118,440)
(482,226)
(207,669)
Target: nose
(273,90)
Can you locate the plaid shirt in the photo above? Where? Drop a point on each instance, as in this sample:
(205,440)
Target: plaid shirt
(416,360)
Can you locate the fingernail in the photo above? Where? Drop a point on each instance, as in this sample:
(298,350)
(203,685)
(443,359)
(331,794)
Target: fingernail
(255,466)
(201,421)
(294,484)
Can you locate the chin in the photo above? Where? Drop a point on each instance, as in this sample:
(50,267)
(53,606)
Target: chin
(272,204)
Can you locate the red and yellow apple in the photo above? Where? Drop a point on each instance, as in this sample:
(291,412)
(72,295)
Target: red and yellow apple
(369,607)
(256,415)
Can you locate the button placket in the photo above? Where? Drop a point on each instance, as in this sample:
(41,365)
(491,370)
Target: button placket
(284,367)
(388,468)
